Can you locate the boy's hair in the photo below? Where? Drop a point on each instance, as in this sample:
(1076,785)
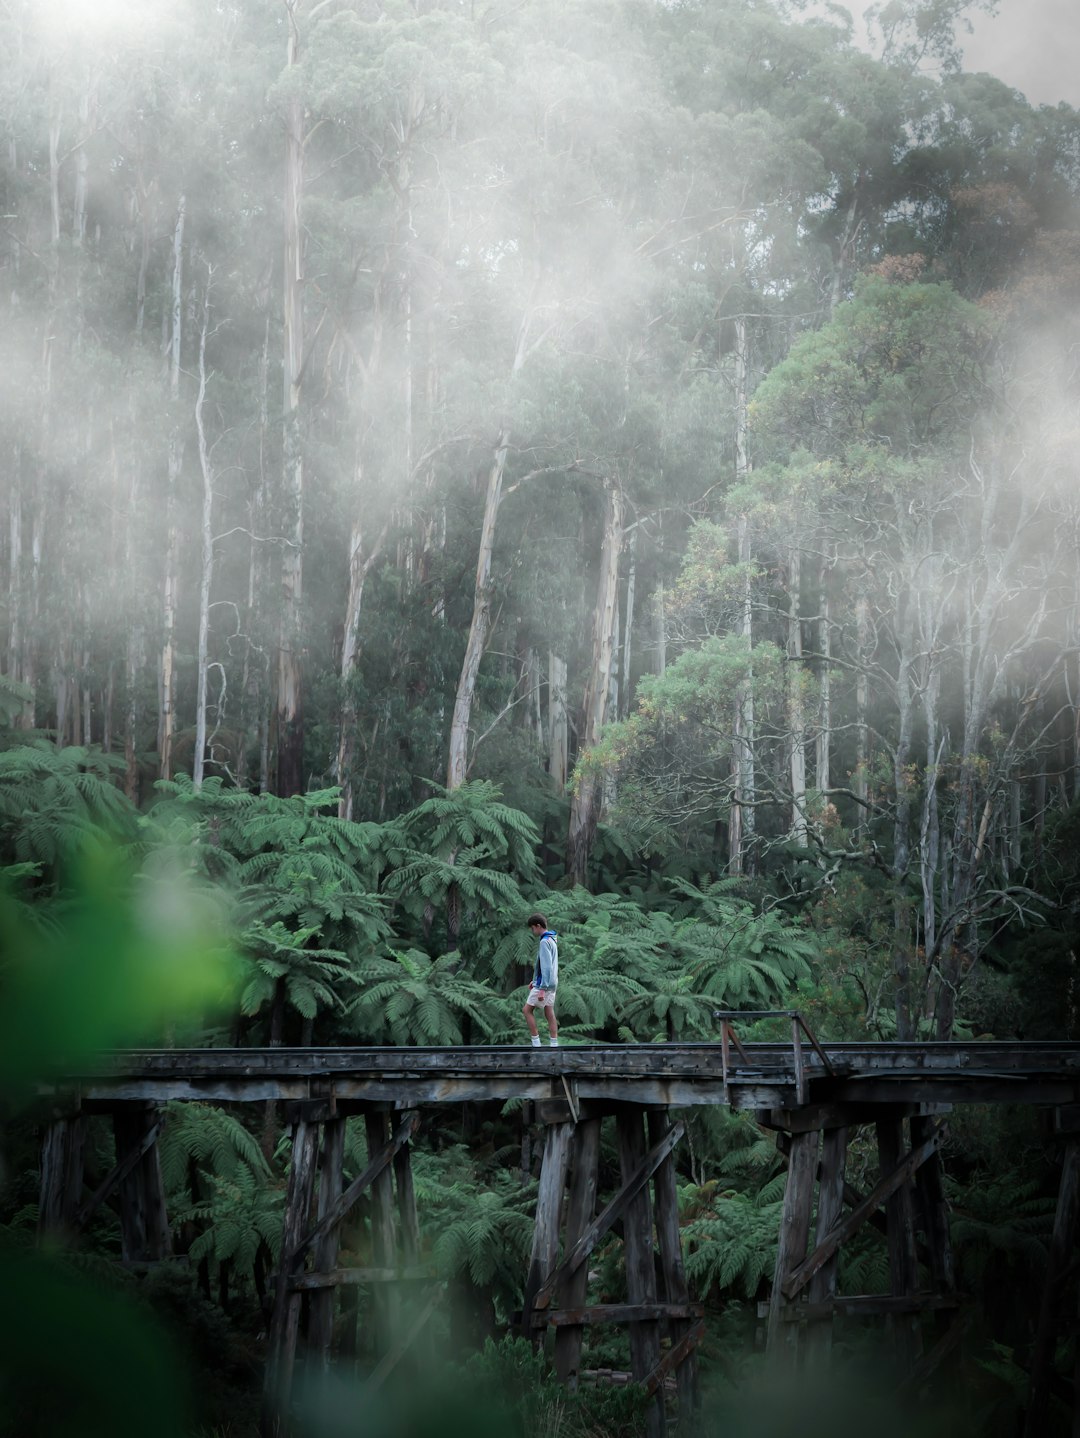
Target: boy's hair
(536,919)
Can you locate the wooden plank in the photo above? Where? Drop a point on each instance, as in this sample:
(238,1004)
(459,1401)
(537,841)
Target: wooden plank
(830,1208)
(116,1176)
(325,1251)
(802,1274)
(62,1149)
(609,1214)
(677,1354)
(359,1277)
(1062,1239)
(566,1319)
(794,1231)
(385,1301)
(285,1320)
(580,1212)
(346,1202)
(672,1271)
(900,1238)
(640,1270)
(545,1246)
(933,1209)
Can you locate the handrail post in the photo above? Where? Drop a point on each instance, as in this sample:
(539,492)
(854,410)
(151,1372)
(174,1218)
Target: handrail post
(800,1073)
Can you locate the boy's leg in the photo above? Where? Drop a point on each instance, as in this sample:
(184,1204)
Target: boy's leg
(553,1027)
(530,1019)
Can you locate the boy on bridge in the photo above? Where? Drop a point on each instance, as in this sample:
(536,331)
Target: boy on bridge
(544,980)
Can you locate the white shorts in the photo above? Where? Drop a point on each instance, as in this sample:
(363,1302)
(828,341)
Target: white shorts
(541,999)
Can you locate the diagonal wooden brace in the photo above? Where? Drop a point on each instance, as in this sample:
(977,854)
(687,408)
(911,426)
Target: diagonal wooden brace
(802,1275)
(603,1221)
(344,1203)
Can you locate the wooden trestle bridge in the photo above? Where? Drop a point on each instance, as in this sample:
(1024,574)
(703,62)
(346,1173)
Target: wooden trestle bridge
(811,1095)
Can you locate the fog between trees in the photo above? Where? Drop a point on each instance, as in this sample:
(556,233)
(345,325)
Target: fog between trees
(397,393)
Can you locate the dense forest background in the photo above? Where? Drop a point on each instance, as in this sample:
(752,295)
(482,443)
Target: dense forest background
(610,456)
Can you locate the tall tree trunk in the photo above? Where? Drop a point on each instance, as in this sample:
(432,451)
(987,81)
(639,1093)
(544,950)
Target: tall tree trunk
(901,935)
(796,705)
(585,803)
(823,768)
(628,627)
(167,718)
(206,563)
(861,777)
(558,728)
(290,713)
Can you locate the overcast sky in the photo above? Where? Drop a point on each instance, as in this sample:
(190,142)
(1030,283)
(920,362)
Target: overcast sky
(1033,45)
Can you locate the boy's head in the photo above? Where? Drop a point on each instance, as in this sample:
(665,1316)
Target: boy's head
(536,922)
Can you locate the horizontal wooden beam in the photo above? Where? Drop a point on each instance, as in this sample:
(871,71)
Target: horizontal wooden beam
(357,1277)
(614,1313)
(676,1075)
(870,1305)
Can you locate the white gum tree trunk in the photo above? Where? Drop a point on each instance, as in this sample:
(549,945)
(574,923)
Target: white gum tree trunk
(585,804)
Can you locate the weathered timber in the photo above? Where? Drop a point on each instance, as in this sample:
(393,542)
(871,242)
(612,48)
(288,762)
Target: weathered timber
(347,1200)
(566,1319)
(802,1274)
(116,1176)
(672,1271)
(545,1248)
(666,1074)
(285,1320)
(640,1270)
(145,1235)
(830,1208)
(610,1212)
(679,1353)
(572,1284)
(385,1300)
(359,1277)
(1062,1240)
(900,1237)
(933,1211)
(325,1250)
(62,1152)
(794,1233)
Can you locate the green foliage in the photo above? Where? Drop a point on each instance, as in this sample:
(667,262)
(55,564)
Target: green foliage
(406,997)
(54,801)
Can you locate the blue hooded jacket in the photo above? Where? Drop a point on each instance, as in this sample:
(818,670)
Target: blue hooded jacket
(546,974)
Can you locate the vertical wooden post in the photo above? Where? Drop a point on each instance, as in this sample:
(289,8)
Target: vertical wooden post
(934,1214)
(285,1322)
(545,1249)
(62,1149)
(581,1210)
(144,1223)
(822,1286)
(1062,1239)
(676,1288)
(321,1328)
(409,1230)
(794,1236)
(640,1273)
(383,1244)
(900,1234)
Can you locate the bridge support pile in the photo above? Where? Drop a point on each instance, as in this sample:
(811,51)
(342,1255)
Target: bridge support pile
(658,1306)
(907,1202)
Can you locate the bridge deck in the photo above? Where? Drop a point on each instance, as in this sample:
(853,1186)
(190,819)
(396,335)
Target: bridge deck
(760,1076)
